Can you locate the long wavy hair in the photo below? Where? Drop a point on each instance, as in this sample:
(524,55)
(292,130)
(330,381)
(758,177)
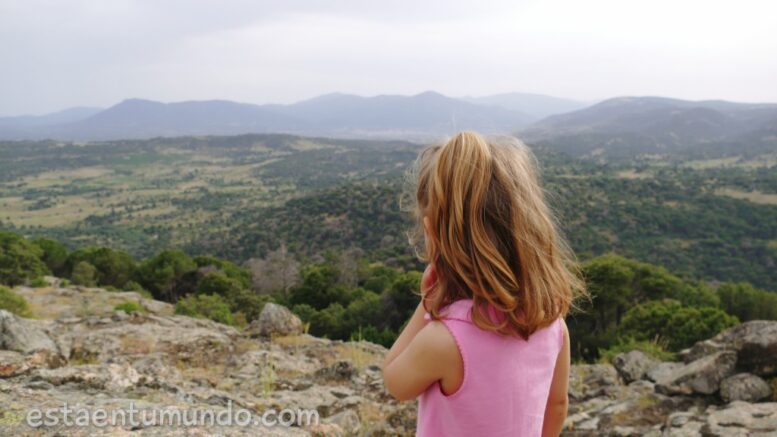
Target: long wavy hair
(491,236)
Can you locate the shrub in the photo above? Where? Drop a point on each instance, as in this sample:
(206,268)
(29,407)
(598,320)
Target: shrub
(128,307)
(208,306)
(681,326)
(84,274)
(54,254)
(112,267)
(10,301)
(159,273)
(136,287)
(653,348)
(19,260)
(39,282)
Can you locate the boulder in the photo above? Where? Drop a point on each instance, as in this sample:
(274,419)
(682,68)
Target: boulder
(21,335)
(632,366)
(742,419)
(702,376)
(744,387)
(662,370)
(755,343)
(275,320)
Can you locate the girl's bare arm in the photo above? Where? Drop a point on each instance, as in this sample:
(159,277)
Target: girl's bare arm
(558,400)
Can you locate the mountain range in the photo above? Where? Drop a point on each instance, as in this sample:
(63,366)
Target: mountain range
(629,126)
(616,127)
(418,117)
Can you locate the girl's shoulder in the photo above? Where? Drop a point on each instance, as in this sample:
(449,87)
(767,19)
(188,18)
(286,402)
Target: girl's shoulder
(458,310)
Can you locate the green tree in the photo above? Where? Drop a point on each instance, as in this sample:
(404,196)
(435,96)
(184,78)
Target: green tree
(160,272)
(230,270)
(54,254)
(610,282)
(747,302)
(328,323)
(19,260)
(239,299)
(84,274)
(114,267)
(319,287)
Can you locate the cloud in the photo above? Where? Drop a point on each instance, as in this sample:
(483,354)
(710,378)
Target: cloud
(64,53)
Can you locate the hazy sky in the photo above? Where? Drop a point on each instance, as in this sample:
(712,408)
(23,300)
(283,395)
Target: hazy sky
(61,53)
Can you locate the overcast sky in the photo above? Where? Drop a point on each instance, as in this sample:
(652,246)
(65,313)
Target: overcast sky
(62,53)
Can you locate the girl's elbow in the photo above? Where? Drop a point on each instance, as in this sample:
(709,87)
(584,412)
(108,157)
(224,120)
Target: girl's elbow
(394,386)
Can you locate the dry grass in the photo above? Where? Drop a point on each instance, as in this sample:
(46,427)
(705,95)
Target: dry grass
(751,196)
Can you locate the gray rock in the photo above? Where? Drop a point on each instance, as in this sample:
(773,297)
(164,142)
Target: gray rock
(702,376)
(275,320)
(633,365)
(742,419)
(592,380)
(744,387)
(12,364)
(340,370)
(662,370)
(22,335)
(347,420)
(755,343)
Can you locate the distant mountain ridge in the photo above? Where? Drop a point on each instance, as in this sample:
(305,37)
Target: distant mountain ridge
(629,126)
(419,117)
(538,105)
(621,127)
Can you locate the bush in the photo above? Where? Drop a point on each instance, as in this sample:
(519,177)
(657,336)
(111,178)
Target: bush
(54,254)
(680,326)
(14,303)
(159,273)
(84,274)
(652,348)
(136,287)
(208,306)
(747,302)
(39,282)
(247,302)
(112,267)
(128,307)
(19,260)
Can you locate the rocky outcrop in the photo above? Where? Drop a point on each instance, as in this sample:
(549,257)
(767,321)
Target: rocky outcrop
(82,352)
(755,344)
(708,394)
(111,360)
(275,320)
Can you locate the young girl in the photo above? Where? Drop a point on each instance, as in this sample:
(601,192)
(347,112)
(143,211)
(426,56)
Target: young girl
(487,349)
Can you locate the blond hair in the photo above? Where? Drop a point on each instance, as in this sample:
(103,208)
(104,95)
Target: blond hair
(492,238)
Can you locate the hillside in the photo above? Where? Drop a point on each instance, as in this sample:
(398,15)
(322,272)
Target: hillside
(82,351)
(626,127)
(245,196)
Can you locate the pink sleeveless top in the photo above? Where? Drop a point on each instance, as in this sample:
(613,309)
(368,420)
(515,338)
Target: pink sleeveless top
(506,381)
